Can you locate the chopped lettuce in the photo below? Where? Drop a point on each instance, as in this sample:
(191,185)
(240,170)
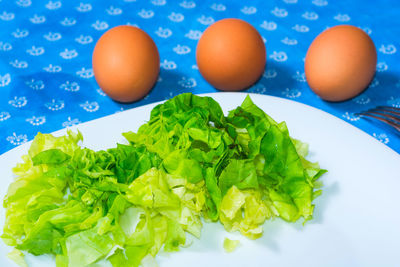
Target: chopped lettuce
(230,245)
(18,257)
(187,163)
(86,247)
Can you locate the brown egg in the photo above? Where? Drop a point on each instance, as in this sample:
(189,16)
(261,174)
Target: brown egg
(125,63)
(340,63)
(231,55)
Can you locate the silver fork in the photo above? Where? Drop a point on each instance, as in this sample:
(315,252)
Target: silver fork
(386,114)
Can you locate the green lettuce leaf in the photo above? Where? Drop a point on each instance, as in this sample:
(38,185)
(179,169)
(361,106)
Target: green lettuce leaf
(239,173)
(187,163)
(50,156)
(283,173)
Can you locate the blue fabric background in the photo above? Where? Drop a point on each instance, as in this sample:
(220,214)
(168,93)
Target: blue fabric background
(46,77)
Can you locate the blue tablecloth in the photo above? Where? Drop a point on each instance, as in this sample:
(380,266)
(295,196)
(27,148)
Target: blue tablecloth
(46,76)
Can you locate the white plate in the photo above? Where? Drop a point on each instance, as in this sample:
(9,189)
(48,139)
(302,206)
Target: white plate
(357,218)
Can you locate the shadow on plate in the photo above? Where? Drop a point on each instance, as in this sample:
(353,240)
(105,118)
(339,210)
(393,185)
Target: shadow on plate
(321,203)
(212,237)
(273,228)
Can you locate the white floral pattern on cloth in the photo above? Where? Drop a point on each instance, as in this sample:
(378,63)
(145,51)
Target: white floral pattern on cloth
(17,140)
(5,80)
(47,81)
(36,121)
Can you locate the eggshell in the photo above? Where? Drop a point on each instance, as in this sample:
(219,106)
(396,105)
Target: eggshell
(125,63)
(231,54)
(340,63)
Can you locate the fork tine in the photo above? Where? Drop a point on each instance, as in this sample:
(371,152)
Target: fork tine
(391,123)
(388,115)
(389,107)
(392,110)
(384,114)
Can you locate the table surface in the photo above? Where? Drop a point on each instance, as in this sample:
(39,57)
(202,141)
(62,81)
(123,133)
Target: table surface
(47,81)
